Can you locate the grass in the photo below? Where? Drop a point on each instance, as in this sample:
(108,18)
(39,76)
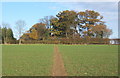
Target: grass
(27,60)
(90,60)
(79,60)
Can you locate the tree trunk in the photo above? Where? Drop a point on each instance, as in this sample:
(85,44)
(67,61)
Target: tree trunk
(66,35)
(20,41)
(73,34)
(5,40)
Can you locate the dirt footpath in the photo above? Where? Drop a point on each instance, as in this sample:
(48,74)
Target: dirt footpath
(58,65)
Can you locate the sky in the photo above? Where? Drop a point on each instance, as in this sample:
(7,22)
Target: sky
(31,12)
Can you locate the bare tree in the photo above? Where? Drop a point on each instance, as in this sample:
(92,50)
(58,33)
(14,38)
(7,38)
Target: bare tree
(46,20)
(20,25)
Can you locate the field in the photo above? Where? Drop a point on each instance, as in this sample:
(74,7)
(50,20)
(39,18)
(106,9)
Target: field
(27,60)
(90,60)
(78,60)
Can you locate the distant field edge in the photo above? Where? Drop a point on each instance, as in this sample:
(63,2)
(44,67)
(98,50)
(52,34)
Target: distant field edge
(60,44)
(60,77)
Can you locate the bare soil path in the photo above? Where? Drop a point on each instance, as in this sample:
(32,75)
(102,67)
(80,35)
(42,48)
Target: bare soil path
(58,65)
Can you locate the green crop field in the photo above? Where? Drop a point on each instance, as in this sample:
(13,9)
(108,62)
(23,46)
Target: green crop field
(27,60)
(90,60)
(79,60)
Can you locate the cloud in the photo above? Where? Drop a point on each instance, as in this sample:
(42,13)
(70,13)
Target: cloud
(60,0)
(53,7)
(98,6)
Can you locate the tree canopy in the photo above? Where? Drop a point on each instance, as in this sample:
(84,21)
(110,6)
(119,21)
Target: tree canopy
(67,24)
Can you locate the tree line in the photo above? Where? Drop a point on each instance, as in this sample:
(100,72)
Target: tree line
(67,26)
(6,35)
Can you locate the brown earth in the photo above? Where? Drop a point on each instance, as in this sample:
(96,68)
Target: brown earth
(58,65)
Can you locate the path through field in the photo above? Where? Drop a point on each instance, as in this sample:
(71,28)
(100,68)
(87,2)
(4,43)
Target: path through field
(58,65)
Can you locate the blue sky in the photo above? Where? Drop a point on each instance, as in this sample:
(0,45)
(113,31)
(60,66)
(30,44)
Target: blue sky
(31,12)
